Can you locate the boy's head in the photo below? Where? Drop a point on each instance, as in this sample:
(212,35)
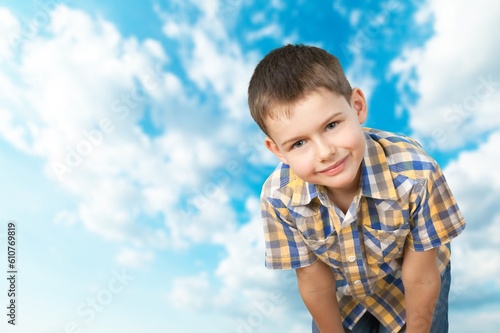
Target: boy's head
(302,100)
(287,74)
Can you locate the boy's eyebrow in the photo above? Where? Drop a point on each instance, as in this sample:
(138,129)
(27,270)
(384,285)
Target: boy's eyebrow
(329,120)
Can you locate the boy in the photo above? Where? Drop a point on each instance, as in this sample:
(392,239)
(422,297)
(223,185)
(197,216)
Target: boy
(364,216)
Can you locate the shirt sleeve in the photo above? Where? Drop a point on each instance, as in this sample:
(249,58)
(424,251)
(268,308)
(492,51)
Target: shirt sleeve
(436,218)
(285,247)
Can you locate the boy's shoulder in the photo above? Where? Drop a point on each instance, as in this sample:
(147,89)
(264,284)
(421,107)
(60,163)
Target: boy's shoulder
(402,154)
(284,189)
(280,180)
(391,140)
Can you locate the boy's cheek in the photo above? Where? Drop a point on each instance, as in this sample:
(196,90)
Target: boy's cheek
(301,168)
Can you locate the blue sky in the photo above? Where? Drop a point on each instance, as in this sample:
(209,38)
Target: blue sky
(133,169)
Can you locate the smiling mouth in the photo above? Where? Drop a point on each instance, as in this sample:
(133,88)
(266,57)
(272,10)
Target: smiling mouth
(334,169)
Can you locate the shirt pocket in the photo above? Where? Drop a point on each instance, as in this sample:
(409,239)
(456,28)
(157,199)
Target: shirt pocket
(325,246)
(320,238)
(384,245)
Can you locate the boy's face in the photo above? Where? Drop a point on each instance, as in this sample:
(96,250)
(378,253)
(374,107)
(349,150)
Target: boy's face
(322,140)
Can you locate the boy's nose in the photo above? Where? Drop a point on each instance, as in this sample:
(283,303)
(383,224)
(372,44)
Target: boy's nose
(324,151)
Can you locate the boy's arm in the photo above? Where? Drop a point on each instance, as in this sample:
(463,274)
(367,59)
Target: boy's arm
(422,282)
(317,289)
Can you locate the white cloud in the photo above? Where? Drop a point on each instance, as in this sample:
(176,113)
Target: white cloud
(75,97)
(455,78)
(258,17)
(65,217)
(246,290)
(190,293)
(111,208)
(272,30)
(354,17)
(8,26)
(455,74)
(278,4)
(212,59)
(472,180)
(208,218)
(368,28)
(359,75)
(423,15)
(339,7)
(243,267)
(468,321)
(477,189)
(134,258)
(222,70)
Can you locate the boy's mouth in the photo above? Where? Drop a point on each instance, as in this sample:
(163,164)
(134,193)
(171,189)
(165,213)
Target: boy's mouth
(335,168)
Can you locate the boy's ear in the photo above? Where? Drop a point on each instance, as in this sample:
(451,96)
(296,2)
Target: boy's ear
(273,147)
(358,102)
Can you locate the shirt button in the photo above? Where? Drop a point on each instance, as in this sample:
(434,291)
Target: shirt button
(352,259)
(357,282)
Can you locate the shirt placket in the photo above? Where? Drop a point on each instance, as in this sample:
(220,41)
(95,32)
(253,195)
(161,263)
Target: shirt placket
(352,255)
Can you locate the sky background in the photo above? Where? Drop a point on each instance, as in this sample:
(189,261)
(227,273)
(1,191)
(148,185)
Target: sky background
(132,168)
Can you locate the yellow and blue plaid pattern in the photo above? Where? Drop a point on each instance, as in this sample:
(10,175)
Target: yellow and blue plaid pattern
(403,200)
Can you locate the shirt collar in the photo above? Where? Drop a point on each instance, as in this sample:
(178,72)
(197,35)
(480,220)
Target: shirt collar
(303,192)
(296,192)
(376,178)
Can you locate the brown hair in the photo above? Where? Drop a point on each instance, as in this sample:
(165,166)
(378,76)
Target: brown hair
(287,74)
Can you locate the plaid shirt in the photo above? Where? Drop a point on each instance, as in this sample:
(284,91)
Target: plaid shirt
(403,200)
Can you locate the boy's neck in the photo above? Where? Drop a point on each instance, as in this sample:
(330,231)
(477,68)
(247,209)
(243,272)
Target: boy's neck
(343,198)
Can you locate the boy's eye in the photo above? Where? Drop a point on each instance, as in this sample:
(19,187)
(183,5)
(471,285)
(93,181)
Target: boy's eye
(298,144)
(332,125)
